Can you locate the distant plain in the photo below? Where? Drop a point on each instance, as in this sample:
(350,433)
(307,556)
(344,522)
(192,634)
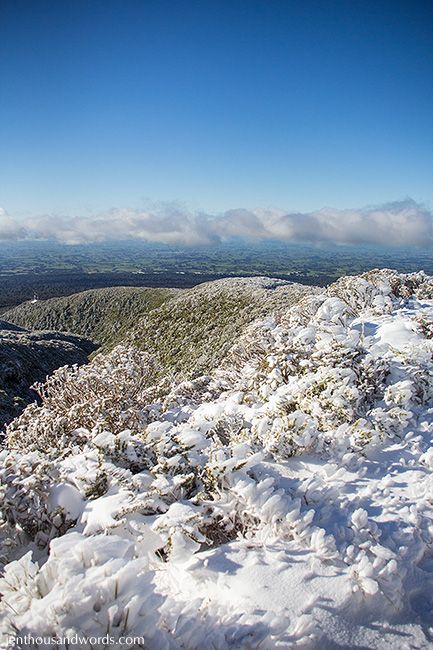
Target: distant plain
(50,269)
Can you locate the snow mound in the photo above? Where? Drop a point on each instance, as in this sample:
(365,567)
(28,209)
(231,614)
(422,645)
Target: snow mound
(283,501)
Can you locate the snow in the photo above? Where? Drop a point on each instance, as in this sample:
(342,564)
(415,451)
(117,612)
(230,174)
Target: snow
(68,498)
(399,331)
(286,502)
(291,582)
(397,334)
(100,514)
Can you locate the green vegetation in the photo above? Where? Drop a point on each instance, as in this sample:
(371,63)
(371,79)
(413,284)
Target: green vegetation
(188,331)
(103,315)
(52,269)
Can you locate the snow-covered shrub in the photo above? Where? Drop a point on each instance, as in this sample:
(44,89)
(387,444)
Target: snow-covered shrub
(313,437)
(110,393)
(179,529)
(93,587)
(380,289)
(426,326)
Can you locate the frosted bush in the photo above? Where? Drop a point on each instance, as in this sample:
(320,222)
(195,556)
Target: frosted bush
(179,530)
(89,586)
(119,478)
(109,393)
(379,290)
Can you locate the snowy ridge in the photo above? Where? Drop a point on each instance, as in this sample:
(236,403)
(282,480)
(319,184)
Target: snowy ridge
(188,330)
(284,501)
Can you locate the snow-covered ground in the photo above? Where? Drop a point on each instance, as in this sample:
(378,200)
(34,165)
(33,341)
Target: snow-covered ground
(285,501)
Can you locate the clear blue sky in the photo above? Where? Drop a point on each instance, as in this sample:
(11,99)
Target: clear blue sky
(295,104)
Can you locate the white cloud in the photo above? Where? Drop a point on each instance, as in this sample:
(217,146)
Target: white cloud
(9,228)
(405,222)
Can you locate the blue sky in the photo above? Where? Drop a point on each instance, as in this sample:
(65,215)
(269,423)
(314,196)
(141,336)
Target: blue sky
(217,105)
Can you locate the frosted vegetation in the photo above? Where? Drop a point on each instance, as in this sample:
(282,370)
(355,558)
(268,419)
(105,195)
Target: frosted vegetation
(190,330)
(282,500)
(103,315)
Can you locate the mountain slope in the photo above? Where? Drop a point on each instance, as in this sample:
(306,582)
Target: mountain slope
(27,357)
(284,501)
(189,331)
(103,315)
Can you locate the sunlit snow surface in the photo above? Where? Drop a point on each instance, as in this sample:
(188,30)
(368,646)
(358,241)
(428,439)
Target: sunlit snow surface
(315,528)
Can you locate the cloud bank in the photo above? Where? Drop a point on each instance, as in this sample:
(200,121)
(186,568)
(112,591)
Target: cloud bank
(10,229)
(399,223)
